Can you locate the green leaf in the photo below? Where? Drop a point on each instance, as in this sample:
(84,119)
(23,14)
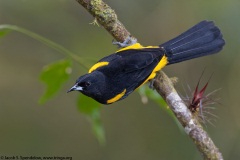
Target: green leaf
(91,109)
(4,32)
(87,105)
(54,75)
(97,127)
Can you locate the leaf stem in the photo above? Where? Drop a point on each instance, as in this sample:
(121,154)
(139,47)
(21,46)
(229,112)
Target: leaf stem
(47,42)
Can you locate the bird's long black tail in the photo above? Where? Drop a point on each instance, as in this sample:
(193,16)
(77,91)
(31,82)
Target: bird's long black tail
(202,39)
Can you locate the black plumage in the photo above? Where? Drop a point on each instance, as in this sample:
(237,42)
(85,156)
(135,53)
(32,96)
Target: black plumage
(202,39)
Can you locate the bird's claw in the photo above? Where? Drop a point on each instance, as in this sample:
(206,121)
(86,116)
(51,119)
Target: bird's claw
(127,42)
(151,82)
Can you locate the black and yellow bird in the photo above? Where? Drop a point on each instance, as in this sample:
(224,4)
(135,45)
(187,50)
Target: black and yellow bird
(114,77)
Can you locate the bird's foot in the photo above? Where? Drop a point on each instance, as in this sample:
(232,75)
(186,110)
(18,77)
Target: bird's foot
(151,82)
(127,42)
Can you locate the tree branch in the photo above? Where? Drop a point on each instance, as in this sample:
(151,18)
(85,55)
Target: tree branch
(192,127)
(108,19)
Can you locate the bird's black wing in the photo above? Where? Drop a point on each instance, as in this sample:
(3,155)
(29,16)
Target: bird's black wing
(133,59)
(129,69)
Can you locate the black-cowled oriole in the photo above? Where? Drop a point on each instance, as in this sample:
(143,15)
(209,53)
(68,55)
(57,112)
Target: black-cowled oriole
(114,77)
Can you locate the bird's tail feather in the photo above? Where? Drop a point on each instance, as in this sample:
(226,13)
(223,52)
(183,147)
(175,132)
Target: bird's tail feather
(202,39)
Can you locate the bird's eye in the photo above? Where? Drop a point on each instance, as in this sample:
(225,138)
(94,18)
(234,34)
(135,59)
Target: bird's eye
(84,84)
(87,84)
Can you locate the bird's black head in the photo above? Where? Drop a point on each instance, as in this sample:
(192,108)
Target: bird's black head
(91,85)
(82,83)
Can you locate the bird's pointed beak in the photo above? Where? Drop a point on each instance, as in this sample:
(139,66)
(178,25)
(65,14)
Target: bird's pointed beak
(75,88)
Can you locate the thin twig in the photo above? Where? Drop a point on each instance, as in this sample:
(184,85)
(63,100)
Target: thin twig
(108,19)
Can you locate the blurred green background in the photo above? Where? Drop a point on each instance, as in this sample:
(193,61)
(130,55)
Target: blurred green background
(133,130)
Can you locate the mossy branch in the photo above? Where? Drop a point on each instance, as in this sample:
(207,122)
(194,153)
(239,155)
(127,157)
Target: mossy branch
(108,19)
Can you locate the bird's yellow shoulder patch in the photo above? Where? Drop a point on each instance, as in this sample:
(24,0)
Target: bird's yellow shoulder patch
(136,46)
(117,97)
(163,62)
(97,65)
